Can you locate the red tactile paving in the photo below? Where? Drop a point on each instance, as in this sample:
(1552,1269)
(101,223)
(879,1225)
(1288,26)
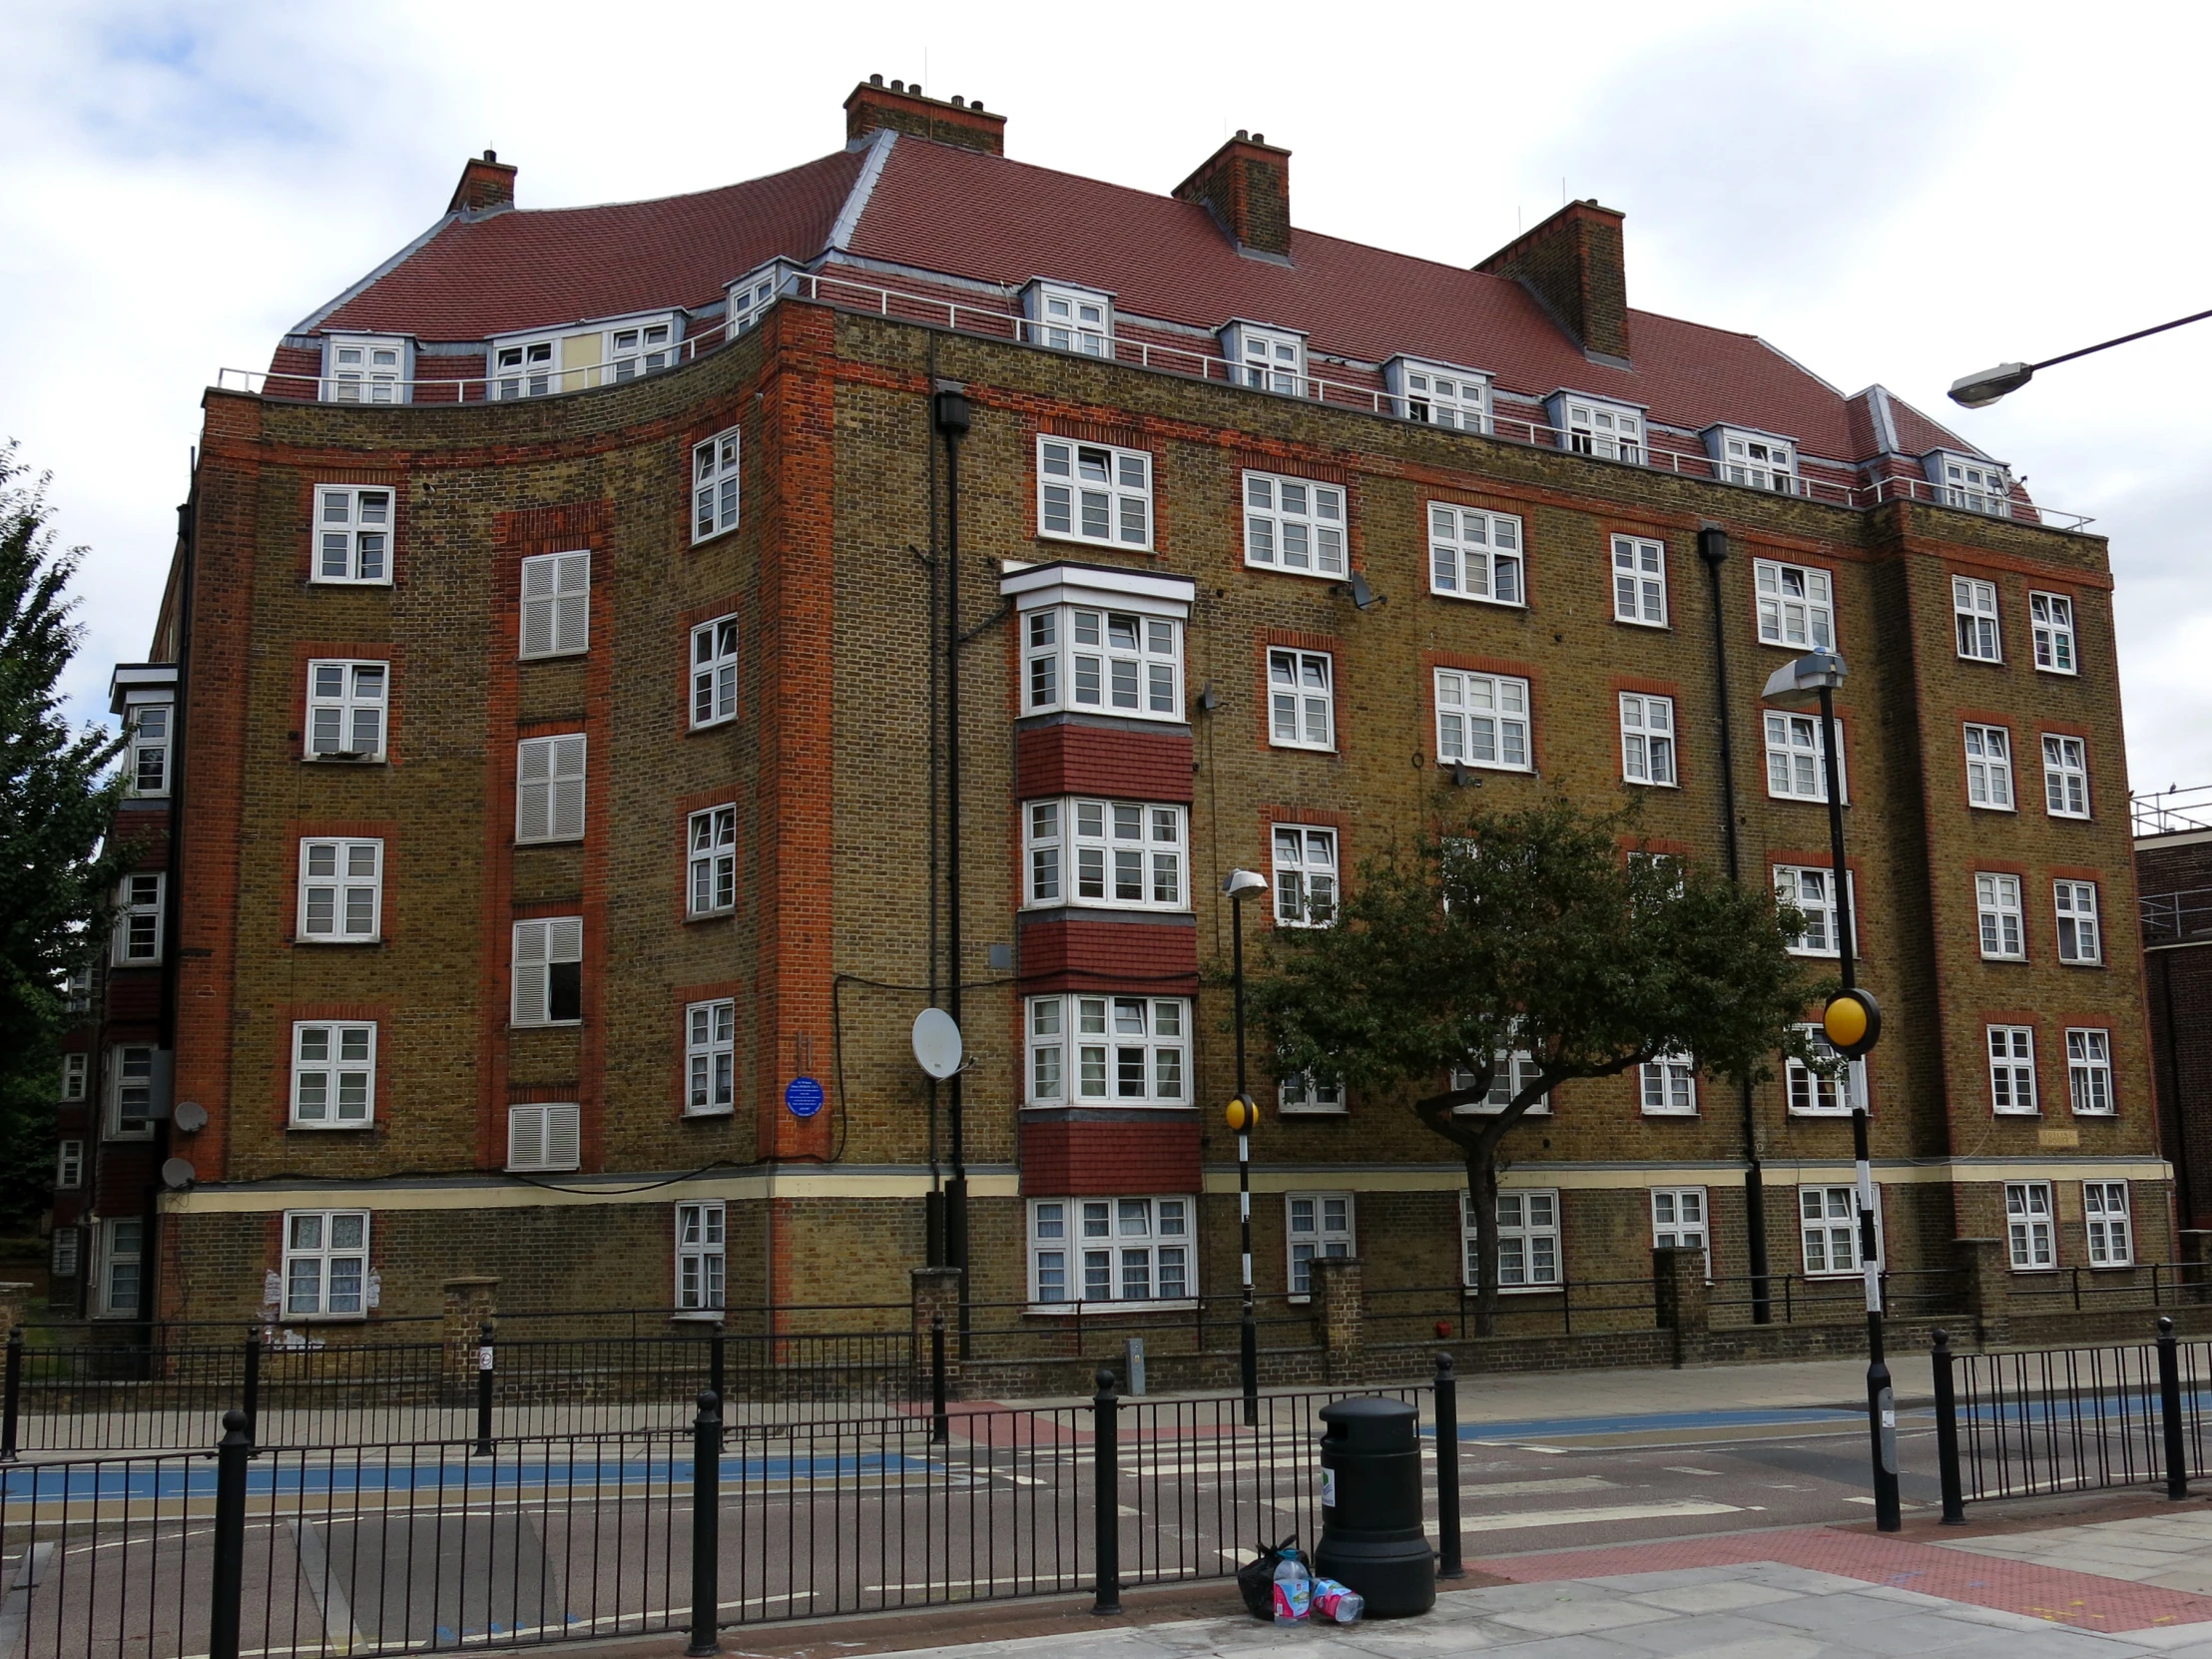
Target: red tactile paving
(2053,1593)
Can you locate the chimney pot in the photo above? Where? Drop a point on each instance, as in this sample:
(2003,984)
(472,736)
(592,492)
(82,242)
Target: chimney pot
(1241,133)
(958,102)
(1259,138)
(876,80)
(491,154)
(1245,185)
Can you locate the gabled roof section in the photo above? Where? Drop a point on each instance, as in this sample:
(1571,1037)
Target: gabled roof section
(527,270)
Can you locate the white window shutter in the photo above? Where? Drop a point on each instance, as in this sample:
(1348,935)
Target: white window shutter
(567,789)
(572,625)
(530,973)
(525,1137)
(533,764)
(564,939)
(563,1137)
(537,606)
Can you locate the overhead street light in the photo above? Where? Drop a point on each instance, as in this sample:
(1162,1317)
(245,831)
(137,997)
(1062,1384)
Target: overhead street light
(1241,885)
(1852,1023)
(1978,391)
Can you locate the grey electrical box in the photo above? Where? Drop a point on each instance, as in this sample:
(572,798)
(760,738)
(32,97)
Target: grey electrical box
(1132,1350)
(1002,958)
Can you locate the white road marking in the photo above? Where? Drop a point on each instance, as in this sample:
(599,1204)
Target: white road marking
(1568,1483)
(1685,1468)
(1592,1517)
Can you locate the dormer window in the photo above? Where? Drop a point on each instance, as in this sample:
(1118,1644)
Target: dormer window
(360,369)
(753,294)
(1066,318)
(1439,396)
(1756,459)
(1968,481)
(524,370)
(641,347)
(601,355)
(1594,426)
(1267,360)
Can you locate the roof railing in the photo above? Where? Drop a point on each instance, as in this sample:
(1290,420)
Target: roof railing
(2177,918)
(2173,811)
(995,322)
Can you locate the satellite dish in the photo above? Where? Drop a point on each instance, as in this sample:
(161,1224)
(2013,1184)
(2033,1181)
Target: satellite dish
(189,1116)
(936,1042)
(178,1172)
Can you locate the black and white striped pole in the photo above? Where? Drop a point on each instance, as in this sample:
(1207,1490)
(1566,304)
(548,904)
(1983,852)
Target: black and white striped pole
(1852,1023)
(1242,1115)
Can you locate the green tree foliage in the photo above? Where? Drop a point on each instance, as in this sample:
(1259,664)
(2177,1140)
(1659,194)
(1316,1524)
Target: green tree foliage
(1529,931)
(57,869)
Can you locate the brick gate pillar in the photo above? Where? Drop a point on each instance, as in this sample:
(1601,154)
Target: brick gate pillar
(936,1292)
(1986,1273)
(15,1302)
(1683,1300)
(469,1301)
(1339,1312)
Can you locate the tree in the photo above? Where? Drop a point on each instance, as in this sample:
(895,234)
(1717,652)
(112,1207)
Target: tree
(1527,931)
(58,867)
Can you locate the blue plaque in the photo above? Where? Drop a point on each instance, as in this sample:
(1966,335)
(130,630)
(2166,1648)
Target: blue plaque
(804,1097)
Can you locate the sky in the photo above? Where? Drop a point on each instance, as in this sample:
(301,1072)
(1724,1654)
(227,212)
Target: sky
(1900,193)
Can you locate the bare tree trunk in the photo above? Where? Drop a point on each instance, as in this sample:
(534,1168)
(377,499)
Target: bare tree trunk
(1482,1206)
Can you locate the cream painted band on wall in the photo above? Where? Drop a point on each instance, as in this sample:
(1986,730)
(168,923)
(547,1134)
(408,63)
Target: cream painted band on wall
(495,1194)
(1425,1178)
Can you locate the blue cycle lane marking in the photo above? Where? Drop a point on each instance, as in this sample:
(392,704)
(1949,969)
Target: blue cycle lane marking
(59,1483)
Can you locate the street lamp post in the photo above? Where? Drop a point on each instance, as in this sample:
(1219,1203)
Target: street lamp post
(1242,1115)
(1978,391)
(1852,1023)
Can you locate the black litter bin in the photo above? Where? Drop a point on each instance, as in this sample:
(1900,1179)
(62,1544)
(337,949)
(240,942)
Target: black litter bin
(1370,1529)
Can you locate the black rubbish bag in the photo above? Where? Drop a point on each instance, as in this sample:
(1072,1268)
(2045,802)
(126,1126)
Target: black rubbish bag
(1255,1580)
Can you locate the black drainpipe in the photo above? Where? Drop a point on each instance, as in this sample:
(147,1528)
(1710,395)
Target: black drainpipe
(950,406)
(1712,547)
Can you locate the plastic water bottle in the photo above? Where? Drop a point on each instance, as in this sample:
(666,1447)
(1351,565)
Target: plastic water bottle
(1332,1601)
(1294,1590)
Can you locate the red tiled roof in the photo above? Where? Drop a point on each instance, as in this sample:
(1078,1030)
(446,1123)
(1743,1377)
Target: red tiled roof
(529,270)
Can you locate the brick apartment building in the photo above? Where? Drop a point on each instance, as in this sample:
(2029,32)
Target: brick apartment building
(562,835)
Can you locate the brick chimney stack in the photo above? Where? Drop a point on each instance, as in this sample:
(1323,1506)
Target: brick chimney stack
(1245,185)
(902,108)
(487,185)
(1572,261)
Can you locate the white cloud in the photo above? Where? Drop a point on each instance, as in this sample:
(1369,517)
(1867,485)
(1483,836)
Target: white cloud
(1892,192)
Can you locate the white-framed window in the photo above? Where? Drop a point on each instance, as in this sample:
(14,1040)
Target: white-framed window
(1640,581)
(1795,769)
(2027,1226)
(544,1136)
(1267,360)
(1111,1250)
(1305,875)
(341,892)
(353,524)
(1094,492)
(1069,320)
(750,296)
(1997,901)
(326,1264)
(1669,1086)
(2065,776)
(150,735)
(711,839)
(1527,1240)
(1588,427)
(2052,618)
(523,369)
(701,1256)
(556,604)
(1482,720)
(122,1245)
(1475,555)
(640,347)
(549,788)
(131,1068)
(1977,486)
(1109,1050)
(1509,1074)
(1680,1220)
(2012,1070)
(1104,662)
(2078,939)
(1437,395)
(1316,1224)
(710,1059)
(714,672)
(364,370)
(1973,605)
(77,990)
(1122,854)
(1828,1229)
(2104,1210)
(75,1075)
(1754,459)
(1302,1091)
(1648,739)
(1294,524)
(64,1258)
(1796,604)
(68,1165)
(548,971)
(1820,1093)
(346,705)
(2089,1071)
(1989,767)
(715,486)
(333,1074)
(139,903)
(1301,700)
(1811,889)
